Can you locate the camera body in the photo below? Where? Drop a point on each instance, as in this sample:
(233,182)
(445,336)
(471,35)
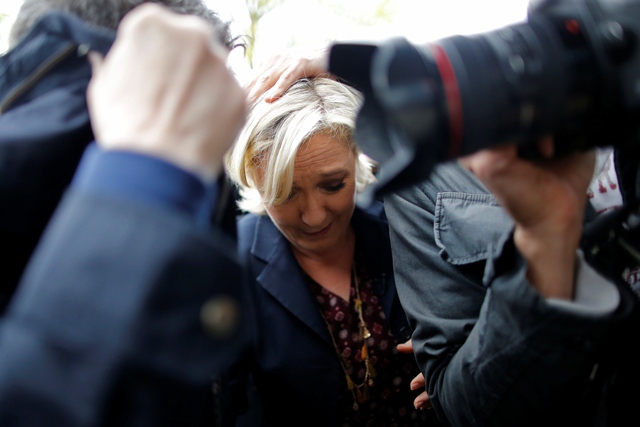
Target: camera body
(571,70)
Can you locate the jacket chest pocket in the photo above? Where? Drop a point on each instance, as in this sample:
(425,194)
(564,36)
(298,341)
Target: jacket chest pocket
(467,225)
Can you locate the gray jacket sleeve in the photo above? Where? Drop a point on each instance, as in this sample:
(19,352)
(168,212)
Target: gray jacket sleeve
(490,347)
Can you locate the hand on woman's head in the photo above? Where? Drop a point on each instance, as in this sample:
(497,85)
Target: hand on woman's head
(273,77)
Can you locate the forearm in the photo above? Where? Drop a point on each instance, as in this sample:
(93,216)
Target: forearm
(483,345)
(523,349)
(551,260)
(109,305)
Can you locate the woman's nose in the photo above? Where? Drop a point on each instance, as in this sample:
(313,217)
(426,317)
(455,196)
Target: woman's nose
(314,213)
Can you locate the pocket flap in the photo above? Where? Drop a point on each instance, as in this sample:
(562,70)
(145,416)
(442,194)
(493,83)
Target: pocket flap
(465,224)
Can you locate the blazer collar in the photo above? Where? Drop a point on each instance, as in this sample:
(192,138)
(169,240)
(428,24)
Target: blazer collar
(270,246)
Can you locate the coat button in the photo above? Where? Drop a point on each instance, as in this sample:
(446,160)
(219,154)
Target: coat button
(220,316)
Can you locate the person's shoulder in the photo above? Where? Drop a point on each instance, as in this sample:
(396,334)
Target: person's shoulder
(258,236)
(247,219)
(252,227)
(245,228)
(447,177)
(246,223)
(452,177)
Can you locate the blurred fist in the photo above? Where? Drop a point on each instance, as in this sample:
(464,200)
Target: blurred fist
(164,90)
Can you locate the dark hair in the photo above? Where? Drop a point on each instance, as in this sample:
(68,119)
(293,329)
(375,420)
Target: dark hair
(109,13)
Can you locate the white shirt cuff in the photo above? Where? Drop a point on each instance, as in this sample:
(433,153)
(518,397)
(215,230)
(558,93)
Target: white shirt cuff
(595,295)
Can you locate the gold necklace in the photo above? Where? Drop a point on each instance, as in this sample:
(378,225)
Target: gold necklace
(360,392)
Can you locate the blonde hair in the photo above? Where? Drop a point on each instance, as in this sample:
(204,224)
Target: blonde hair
(274,133)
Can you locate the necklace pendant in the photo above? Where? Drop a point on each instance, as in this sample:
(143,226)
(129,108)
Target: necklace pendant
(364,355)
(364,333)
(362,396)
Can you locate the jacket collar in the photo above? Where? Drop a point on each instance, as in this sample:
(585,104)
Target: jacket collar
(56,39)
(270,246)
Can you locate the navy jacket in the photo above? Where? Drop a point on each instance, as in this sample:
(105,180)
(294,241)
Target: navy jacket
(296,368)
(106,326)
(44,128)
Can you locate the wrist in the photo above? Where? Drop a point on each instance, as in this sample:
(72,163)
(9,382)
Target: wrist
(180,156)
(551,261)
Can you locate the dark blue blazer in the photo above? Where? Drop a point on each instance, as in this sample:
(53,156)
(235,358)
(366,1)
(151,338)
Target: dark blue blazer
(105,328)
(295,366)
(44,129)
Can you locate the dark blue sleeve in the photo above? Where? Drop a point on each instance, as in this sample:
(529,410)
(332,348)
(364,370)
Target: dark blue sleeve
(145,179)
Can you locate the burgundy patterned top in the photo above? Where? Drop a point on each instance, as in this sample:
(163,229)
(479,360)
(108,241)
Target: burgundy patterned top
(391,401)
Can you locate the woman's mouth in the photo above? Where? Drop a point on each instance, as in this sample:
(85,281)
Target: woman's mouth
(321,232)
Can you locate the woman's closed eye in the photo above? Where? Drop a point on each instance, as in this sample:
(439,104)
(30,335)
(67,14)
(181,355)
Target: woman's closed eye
(335,187)
(290,195)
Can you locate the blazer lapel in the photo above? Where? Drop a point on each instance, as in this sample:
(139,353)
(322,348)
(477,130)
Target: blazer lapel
(283,278)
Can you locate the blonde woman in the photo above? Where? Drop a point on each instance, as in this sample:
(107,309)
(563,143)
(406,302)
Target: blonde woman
(328,317)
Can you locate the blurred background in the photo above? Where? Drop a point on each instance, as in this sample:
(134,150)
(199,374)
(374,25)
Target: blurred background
(271,26)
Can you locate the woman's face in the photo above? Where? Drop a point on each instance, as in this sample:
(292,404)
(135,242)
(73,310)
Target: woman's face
(316,217)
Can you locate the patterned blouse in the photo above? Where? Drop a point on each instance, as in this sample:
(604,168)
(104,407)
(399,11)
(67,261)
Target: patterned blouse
(390,402)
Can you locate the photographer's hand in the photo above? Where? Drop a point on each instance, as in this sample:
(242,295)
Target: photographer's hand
(546,200)
(279,72)
(164,90)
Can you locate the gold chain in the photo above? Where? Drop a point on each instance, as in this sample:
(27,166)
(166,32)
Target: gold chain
(360,392)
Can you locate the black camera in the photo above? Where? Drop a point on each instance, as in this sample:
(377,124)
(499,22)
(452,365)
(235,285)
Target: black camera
(571,70)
